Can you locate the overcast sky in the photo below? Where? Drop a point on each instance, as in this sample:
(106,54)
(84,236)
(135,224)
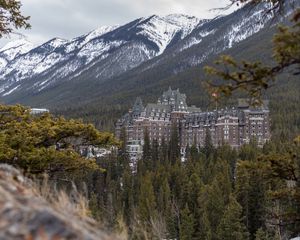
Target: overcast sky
(71,18)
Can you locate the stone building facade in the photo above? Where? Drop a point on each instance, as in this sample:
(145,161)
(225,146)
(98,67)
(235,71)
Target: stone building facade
(234,126)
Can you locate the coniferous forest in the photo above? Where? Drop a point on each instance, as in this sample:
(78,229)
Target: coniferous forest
(217,193)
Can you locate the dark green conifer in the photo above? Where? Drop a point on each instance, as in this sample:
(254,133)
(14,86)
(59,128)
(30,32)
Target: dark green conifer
(231,226)
(186,224)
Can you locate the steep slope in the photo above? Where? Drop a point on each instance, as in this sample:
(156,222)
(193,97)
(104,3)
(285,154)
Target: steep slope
(14,49)
(27,213)
(129,58)
(105,109)
(113,49)
(107,77)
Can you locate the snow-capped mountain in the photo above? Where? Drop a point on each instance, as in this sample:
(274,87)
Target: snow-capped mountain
(107,57)
(13,49)
(126,46)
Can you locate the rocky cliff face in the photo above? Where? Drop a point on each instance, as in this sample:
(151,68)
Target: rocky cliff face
(25,214)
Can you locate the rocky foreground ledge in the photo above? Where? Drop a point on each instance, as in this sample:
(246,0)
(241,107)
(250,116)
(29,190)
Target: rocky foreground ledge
(24,214)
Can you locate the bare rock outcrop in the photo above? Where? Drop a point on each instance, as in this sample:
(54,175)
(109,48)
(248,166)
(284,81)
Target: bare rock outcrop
(25,214)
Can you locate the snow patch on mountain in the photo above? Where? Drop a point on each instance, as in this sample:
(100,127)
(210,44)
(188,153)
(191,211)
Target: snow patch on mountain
(99,32)
(92,50)
(22,44)
(56,42)
(107,52)
(161,30)
(192,41)
(11,91)
(3,63)
(15,48)
(79,42)
(246,28)
(47,62)
(197,39)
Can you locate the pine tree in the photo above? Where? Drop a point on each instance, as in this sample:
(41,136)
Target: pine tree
(127,196)
(155,154)
(251,194)
(45,143)
(174,148)
(147,203)
(214,205)
(262,235)
(173,220)
(12,18)
(205,227)
(231,226)
(208,145)
(147,161)
(163,152)
(164,198)
(186,224)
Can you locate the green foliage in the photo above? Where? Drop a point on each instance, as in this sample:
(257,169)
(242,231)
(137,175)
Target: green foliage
(11,17)
(251,194)
(146,160)
(186,224)
(174,148)
(230,194)
(45,144)
(147,203)
(262,235)
(231,226)
(208,145)
(254,78)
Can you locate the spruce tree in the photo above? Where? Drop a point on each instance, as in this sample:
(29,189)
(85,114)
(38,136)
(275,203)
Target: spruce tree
(231,226)
(147,161)
(208,145)
(163,152)
(164,198)
(186,224)
(11,17)
(174,147)
(147,202)
(155,154)
(251,194)
(128,196)
(262,235)
(173,220)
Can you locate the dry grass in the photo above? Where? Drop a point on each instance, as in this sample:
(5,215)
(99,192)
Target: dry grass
(74,203)
(34,209)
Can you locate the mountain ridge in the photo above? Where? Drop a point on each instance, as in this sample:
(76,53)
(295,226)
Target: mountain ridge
(97,44)
(88,66)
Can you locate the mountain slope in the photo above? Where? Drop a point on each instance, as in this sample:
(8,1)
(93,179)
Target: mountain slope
(126,59)
(126,46)
(104,109)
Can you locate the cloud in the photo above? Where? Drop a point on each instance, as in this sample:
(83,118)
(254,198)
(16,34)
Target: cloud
(71,18)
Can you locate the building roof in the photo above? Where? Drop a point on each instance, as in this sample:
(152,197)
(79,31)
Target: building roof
(138,106)
(175,99)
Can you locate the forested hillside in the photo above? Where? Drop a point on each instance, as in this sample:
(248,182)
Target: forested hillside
(107,108)
(214,193)
(214,190)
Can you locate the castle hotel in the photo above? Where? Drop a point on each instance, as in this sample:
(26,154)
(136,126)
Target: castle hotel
(235,126)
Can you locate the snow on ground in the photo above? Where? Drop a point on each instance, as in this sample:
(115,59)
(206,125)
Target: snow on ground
(15,48)
(11,91)
(161,30)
